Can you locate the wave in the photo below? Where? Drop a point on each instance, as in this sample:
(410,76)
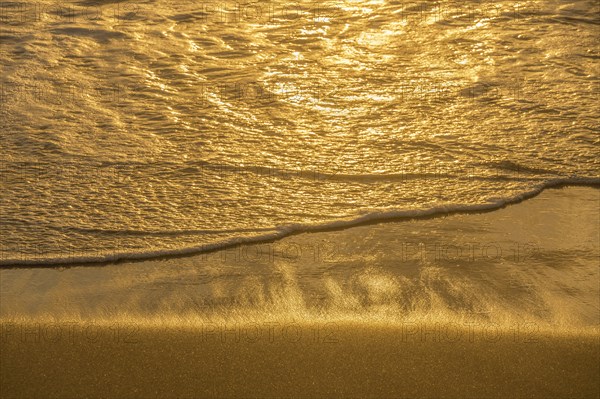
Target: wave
(276,233)
(498,171)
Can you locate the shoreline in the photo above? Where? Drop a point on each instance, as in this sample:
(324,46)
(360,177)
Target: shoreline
(333,226)
(453,268)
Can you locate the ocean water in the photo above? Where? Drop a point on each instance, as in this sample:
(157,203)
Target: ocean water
(137,129)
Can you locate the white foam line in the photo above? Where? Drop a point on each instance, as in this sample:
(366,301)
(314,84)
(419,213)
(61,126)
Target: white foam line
(284,231)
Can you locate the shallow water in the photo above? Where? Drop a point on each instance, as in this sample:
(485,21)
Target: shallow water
(138,128)
(531,267)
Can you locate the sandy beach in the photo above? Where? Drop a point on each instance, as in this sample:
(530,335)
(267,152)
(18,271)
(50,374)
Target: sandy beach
(351,360)
(398,309)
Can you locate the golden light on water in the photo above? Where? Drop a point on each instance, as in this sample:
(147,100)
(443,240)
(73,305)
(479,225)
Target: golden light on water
(275,199)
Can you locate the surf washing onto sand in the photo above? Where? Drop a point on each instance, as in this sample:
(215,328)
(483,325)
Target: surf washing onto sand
(165,129)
